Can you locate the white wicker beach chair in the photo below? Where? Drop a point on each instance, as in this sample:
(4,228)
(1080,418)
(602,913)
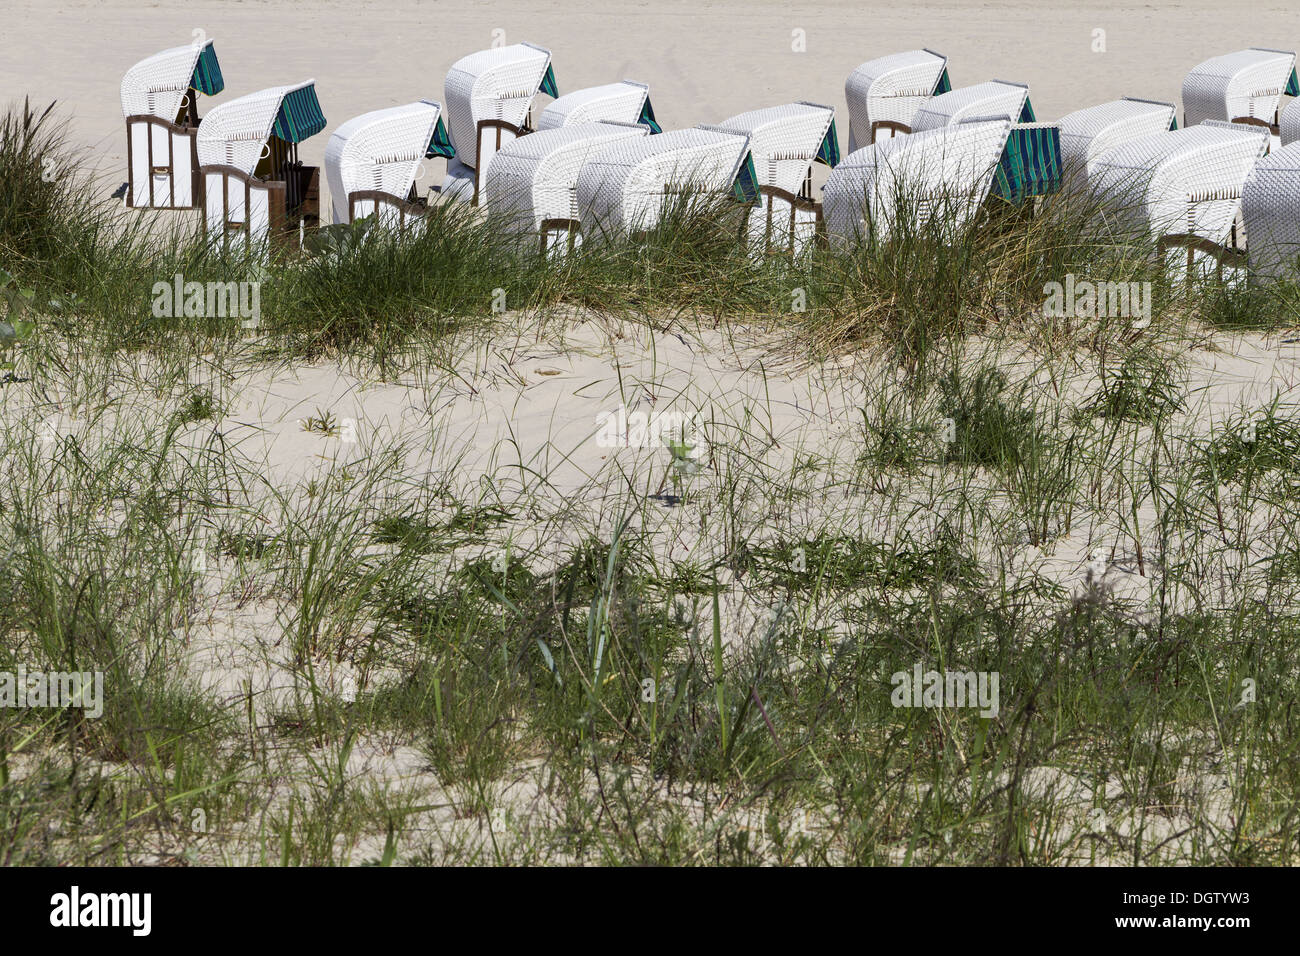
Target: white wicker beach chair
(943,173)
(1270,209)
(1183,188)
(623,102)
(784,142)
(488,98)
(254,187)
(1088,134)
(995,98)
(159,102)
(1242,87)
(1289,124)
(884,94)
(532,183)
(623,188)
(372,162)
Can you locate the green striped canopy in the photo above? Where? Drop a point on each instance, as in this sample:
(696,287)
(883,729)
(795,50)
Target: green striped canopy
(1027,114)
(944,85)
(207,77)
(1030,164)
(300,115)
(440,145)
(1293,84)
(548,83)
(647,118)
(829,151)
(745,187)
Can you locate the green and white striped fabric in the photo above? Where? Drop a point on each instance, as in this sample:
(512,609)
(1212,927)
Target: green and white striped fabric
(647,118)
(207,77)
(1030,163)
(745,187)
(548,83)
(440,145)
(829,151)
(300,116)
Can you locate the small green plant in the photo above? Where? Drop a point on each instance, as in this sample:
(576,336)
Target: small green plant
(15,327)
(322,423)
(683,464)
(198,406)
(1144,391)
(1253,445)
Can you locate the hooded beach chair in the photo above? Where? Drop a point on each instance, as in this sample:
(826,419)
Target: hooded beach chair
(488,97)
(372,162)
(944,173)
(623,188)
(985,100)
(1242,87)
(784,142)
(1270,209)
(160,103)
(533,181)
(1183,188)
(1088,134)
(623,102)
(884,94)
(254,187)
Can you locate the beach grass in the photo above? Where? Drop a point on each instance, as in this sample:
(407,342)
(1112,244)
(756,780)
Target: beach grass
(405,656)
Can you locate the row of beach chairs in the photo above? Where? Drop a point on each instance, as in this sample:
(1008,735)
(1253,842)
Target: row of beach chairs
(597,162)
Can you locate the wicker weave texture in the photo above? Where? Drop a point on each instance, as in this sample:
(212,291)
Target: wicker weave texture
(612,103)
(1186,182)
(942,172)
(156,85)
(499,84)
(234,133)
(535,178)
(1088,134)
(983,100)
(1270,207)
(623,187)
(1247,83)
(890,88)
(380,150)
(783,140)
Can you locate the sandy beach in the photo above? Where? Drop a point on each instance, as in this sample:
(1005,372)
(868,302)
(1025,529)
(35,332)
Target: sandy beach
(339,534)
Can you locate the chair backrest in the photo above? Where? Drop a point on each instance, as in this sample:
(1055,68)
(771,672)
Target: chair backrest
(994,98)
(890,90)
(383,150)
(623,187)
(786,140)
(498,84)
(1088,134)
(944,173)
(236,132)
(1187,182)
(157,85)
(623,102)
(1243,85)
(535,178)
